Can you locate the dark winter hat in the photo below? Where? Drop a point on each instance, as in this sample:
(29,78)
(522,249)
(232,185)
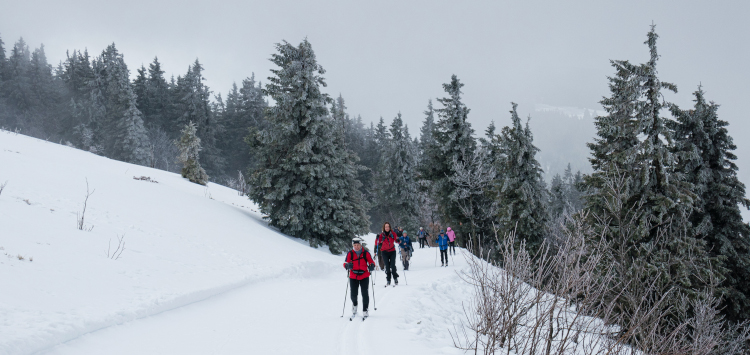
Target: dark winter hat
(442,231)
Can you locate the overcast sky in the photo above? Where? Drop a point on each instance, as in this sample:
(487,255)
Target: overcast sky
(391,56)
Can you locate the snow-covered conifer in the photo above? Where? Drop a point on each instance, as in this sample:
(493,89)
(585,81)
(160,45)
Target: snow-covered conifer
(119,127)
(305,181)
(565,193)
(131,140)
(192,104)
(427,142)
(634,152)
(520,189)
(189,145)
(454,142)
(396,178)
(705,148)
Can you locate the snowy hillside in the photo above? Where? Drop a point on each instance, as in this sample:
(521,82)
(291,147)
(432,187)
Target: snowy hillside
(200,273)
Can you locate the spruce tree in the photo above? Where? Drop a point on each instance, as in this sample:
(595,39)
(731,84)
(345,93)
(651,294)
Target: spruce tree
(192,104)
(520,189)
(158,103)
(189,145)
(427,145)
(4,114)
(355,138)
(305,181)
(140,88)
(707,160)
(557,196)
(381,138)
(614,148)
(565,193)
(46,97)
(243,114)
(120,127)
(16,87)
(454,142)
(78,77)
(666,194)
(131,140)
(396,178)
(639,200)
(3,60)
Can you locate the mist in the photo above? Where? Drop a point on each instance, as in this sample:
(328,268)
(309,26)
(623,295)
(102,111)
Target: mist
(388,57)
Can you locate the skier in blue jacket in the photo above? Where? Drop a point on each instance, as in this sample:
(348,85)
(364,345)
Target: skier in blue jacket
(404,244)
(442,242)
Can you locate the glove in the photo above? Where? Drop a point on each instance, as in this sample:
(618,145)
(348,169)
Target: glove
(349,266)
(371,267)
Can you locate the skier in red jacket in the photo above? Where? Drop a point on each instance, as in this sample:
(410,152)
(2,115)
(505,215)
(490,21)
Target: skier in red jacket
(360,264)
(386,244)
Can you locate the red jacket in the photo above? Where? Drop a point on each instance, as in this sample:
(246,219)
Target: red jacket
(359,264)
(387,242)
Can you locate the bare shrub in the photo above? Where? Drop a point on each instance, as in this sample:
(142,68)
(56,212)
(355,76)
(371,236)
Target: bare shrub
(114,255)
(81,215)
(2,187)
(560,301)
(162,151)
(239,184)
(472,182)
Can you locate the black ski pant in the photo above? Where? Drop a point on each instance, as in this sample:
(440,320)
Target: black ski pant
(422,241)
(452,246)
(444,253)
(355,285)
(389,258)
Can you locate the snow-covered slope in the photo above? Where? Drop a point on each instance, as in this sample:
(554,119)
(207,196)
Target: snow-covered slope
(201,271)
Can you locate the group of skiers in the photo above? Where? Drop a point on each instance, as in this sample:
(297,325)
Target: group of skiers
(360,263)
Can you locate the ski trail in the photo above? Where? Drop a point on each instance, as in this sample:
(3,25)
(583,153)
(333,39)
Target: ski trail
(348,341)
(297,315)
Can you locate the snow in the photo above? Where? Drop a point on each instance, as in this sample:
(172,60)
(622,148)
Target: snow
(201,271)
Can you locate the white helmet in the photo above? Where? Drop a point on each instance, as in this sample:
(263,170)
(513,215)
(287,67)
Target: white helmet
(356,240)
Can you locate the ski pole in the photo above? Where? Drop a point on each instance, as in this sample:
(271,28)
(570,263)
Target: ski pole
(436,251)
(346,293)
(375,304)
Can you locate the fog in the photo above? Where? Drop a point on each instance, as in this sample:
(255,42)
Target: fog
(386,57)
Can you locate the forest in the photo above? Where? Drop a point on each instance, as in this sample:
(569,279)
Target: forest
(660,210)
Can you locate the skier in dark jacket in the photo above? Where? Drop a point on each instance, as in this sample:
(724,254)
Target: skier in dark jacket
(386,243)
(405,248)
(442,242)
(422,235)
(360,264)
(399,231)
